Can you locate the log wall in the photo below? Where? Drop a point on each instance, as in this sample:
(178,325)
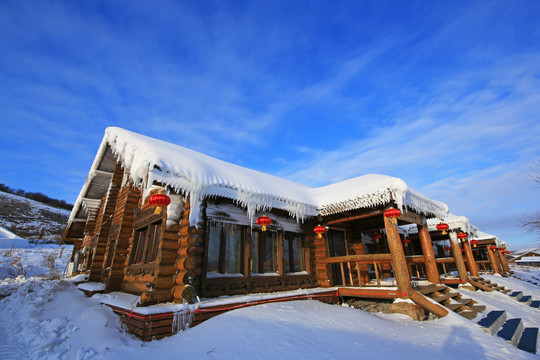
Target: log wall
(121,236)
(104,223)
(188,265)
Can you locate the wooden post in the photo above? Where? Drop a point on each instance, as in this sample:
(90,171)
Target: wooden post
(473,270)
(322,272)
(504,261)
(456,252)
(280,252)
(429,255)
(494,261)
(401,274)
(377,274)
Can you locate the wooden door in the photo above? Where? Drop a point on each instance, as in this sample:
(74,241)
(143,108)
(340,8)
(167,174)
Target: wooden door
(337,246)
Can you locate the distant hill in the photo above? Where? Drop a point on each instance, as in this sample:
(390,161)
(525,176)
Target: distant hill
(29,218)
(42,198)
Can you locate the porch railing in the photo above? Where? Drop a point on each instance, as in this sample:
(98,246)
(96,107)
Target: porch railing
(350,262)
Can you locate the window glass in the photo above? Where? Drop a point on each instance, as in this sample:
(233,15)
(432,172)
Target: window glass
(224,248)
(145,244)
(293,252)
(264,251)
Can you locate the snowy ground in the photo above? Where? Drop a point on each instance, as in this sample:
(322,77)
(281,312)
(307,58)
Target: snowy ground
(51,319)
(22,257)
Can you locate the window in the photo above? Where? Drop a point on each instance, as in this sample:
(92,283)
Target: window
(293,252)
(145,244)
(264,251)
(224,248)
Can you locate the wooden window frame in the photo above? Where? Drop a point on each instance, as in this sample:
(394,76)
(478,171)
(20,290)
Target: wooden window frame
(246,263)
(288,240)
(222,250)
(144,250)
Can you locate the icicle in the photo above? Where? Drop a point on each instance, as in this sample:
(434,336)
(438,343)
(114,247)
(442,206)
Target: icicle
(182,320)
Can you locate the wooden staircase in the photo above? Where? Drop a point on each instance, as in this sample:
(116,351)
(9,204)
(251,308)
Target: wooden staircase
(451,299)
(491,285)
(496,322)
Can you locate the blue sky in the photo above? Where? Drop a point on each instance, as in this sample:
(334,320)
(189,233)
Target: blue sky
(445,95)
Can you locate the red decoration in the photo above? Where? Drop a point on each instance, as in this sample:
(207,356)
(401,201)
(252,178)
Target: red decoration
(406,242)
(319,230)
(264,221)
(393,214)
(443,227)
(159,201)
(493,247)
(376,237)
(447,248)
(462,236)
(474,242)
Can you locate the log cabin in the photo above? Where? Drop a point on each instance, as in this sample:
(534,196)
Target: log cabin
(169,224)
(490,253)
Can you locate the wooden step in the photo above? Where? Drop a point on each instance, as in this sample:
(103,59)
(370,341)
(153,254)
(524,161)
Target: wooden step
(453,306)
(468,314)
(426,289)
(478,307)
(464,301)
(442,297)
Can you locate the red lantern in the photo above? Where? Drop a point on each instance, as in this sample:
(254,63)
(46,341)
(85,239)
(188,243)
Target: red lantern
(264,221)
(443,227)
(376,237)
(447,248)
(406,242)
(461,249)
(493,247)
(393,214)
(462,236)
(474,242)
(159,201)
(319,230)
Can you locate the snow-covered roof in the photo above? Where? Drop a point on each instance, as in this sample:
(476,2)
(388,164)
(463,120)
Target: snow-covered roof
(200,176)
(454,222)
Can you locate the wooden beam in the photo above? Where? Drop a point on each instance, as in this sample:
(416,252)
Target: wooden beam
(352,218)
(411,217)
(401,273)
(427,251)
(456,252)
(415,259)
(470,259)
(102,172)
(366,258)
(494,261)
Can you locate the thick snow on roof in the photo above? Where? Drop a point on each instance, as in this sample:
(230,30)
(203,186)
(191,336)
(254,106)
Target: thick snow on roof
(197,175)
(455,222)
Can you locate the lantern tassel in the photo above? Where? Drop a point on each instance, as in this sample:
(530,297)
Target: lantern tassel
(263,228)
(157,211)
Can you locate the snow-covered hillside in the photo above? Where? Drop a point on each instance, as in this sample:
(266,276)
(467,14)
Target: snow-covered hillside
(27,218)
